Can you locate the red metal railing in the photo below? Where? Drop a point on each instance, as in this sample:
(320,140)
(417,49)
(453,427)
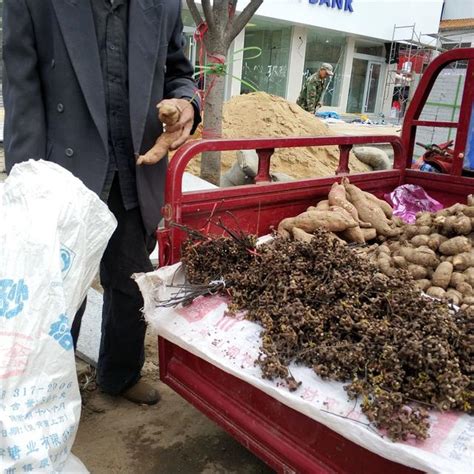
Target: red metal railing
(180,207)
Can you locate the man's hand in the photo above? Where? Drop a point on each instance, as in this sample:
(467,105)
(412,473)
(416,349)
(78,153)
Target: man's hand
(185,123)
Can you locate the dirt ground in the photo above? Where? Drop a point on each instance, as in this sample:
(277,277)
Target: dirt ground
(116,436)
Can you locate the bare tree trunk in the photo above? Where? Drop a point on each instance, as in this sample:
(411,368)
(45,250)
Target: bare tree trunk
(211,161)
(223,26)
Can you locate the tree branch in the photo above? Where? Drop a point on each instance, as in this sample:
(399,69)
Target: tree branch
(208,14)
(194,12)
(220,13)
(239,22)
(232,9)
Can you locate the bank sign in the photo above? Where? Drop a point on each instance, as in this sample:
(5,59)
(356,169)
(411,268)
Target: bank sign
(345,5)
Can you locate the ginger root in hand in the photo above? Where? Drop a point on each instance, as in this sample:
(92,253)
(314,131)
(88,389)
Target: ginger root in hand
(169,115)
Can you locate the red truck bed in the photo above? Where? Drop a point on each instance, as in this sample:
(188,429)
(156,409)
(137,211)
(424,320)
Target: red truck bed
(287,440)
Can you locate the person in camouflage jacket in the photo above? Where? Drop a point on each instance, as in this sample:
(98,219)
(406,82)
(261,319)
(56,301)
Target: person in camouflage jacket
(313,88)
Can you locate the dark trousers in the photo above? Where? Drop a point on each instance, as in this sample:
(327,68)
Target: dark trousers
(121,353)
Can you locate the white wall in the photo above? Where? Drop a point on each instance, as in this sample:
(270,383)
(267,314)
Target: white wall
(370,18)
(459,36)
(454,9)
(296,63)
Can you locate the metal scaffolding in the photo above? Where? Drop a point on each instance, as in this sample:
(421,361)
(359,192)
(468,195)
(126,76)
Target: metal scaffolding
(410,53)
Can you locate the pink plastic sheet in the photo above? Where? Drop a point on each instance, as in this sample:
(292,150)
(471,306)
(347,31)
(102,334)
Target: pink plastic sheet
(409,199)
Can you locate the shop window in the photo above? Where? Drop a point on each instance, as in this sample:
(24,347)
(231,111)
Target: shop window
(326,48)
(269,71)
(371,50)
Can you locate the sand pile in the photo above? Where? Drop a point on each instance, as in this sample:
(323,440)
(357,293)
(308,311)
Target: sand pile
(263,115)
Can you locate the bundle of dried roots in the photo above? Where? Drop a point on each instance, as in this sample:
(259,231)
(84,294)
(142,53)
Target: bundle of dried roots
(323,306)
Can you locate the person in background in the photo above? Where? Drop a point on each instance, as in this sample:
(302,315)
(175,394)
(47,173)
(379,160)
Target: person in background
(310,98)
(81,83)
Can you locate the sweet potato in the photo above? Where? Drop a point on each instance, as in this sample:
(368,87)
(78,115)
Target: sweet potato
(469,211)
(417,271)
(310,221)
(399,261)
(420,240)
(384,249)
(420,256)
(369,234)
(469,276)
(301,235)
(442,275)
(435,240)
(424,230)
(451,210)
(456,278)
(423,284)
(462,225)
(457,208)
(398,221)
(384,205)
(285,226)
(394,246)
(463,261)
(354,234)
(323,205)
(423,218)
(385,264)
(410,231)
(369,211)
(455,246)
(337,197)
(436,292)
(465,288)
(169,114)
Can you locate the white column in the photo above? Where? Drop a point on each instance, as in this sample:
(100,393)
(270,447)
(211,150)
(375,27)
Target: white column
(296,63)
(235,66)
(347,73)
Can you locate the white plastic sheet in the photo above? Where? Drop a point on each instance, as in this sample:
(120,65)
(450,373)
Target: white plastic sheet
(232,344)
(53,231)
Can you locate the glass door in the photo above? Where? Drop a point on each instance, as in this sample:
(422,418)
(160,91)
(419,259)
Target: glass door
(355,103)
(364,86)
(372,87)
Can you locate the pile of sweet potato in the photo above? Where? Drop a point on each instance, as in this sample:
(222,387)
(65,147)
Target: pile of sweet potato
(349,213)
(438,251)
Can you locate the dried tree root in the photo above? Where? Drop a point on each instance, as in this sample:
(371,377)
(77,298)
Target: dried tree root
(322,305)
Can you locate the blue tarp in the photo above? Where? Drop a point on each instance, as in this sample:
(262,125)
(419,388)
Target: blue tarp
(325,115)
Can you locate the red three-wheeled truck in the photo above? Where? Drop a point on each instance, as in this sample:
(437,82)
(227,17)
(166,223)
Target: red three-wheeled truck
(287,440)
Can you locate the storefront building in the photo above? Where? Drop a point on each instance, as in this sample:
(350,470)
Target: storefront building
(297,36)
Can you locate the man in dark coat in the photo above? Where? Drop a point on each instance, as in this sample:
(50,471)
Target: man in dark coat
(82,79)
